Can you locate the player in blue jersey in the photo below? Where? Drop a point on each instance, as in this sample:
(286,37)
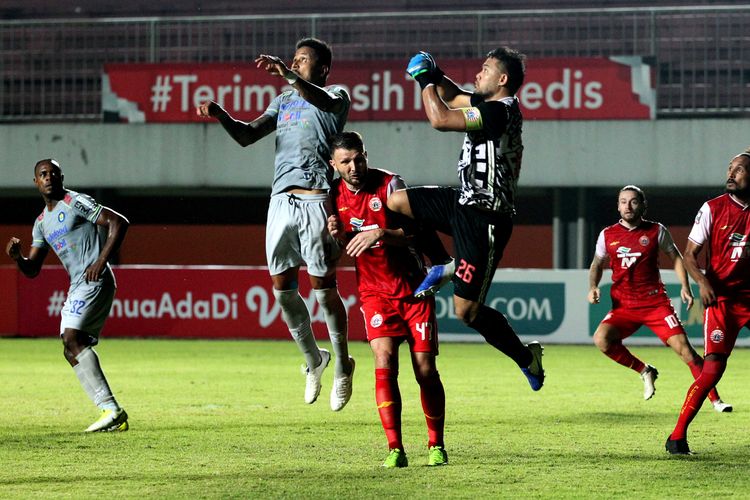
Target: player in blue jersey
(296,229)
(478,214)
(84,235)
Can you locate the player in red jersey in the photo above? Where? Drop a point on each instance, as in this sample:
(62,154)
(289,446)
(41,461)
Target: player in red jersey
(722,226)
(638,295)
(388,272)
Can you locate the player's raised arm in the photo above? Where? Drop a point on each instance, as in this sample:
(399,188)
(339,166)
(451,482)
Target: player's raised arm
(301,79)
(442,98)
(242,132)
(117,226)
(31,265)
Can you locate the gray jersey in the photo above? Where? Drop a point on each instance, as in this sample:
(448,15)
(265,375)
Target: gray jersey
(302,133)
(70,230)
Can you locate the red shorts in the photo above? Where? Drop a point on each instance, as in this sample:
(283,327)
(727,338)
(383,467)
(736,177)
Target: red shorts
(662,320)
(721,325)
(408,317)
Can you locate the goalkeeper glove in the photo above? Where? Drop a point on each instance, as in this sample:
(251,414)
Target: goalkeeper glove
(423,69)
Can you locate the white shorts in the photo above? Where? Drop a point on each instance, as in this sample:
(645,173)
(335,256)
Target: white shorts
(87,306)
(297,234)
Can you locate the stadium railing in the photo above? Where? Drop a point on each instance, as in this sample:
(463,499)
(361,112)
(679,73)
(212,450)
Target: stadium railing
(51,69)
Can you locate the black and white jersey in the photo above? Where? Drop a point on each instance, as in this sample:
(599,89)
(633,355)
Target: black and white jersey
(490,160)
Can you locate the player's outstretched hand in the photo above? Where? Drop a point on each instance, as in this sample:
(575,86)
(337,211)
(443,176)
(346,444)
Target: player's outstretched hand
(687,297)
(13,248)
(208,109)
(594,295)
(421,63)
(94,271)
(336,228)
(424,70)
(708,296)
(274,65)
(362,241)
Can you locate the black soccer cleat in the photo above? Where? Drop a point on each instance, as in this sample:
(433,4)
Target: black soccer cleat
(677,446)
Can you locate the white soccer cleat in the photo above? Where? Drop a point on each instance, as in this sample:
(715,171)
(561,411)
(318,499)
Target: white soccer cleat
(721,406)
(110,420)
(649,376)
(342,389)
(312,381)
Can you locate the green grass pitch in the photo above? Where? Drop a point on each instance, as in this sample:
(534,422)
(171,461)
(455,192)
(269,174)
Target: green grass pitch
(226,419)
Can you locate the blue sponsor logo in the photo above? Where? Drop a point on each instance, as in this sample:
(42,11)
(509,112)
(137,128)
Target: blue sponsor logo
(56,234)
(532,308)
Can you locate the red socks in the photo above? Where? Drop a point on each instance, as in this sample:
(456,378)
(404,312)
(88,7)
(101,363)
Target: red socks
(620,354)
(433,404)
(388,398)
(709,377)
(696,367)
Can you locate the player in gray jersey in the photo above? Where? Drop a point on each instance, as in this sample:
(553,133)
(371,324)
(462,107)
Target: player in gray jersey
(84,235)
(303,117)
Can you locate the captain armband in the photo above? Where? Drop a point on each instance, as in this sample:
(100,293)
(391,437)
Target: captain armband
(473,119)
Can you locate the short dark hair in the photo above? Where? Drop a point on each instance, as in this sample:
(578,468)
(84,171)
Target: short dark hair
(321,48)
(638,191)
(47,161)
(514,63)
(350,140)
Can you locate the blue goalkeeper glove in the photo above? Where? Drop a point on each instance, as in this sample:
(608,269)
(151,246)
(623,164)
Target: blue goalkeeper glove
(423,69)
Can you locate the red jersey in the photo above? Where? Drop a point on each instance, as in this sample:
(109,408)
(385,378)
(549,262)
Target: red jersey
(723,226)
(634,259)
(383,270)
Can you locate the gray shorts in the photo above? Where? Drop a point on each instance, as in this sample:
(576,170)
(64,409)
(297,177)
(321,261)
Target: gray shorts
(297,234)
(87,306)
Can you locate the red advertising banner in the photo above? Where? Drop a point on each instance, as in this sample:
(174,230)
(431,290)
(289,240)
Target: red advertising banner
(555,89)
(183,302)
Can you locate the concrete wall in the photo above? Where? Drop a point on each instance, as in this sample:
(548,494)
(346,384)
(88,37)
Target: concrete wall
(571,153)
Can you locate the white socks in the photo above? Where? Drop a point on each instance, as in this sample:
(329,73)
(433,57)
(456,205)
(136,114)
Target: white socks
(297,319)
(93,381)
(336,321)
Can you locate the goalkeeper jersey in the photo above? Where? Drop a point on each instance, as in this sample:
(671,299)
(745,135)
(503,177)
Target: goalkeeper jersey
(490,160)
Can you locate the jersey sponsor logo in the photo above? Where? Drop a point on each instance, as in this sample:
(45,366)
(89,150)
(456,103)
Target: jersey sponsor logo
(375,204)
(716,336)
(85,210)
(56,234)
(627,258)
(343,209)
(616,242)
(356,223)
(61,217)
(376,321)
(740,248)
(644,240)
(724,227)
(59,245)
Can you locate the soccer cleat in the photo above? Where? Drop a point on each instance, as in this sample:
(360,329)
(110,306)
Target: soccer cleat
(436,278)
(721,406)
(342,389)
(438,456)
(110,420)
(312,381)
(396,458)
(535,373)
(649,376)
(677,446)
